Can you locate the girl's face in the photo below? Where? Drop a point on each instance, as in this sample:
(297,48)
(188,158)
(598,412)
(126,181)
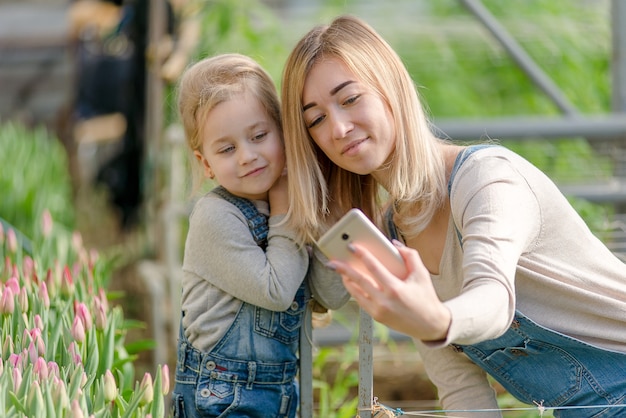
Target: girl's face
(347,119)
(241,147)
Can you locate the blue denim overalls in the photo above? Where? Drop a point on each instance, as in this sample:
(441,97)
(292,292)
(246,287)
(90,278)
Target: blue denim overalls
(251,371)
(538,365)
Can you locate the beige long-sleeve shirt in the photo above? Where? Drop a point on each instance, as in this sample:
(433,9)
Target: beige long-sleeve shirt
(224,267)
(525,248)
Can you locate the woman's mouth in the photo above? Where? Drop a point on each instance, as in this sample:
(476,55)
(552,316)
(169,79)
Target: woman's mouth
(352,147)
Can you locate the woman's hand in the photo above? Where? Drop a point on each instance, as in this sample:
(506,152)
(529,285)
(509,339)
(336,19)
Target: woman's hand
(409,305)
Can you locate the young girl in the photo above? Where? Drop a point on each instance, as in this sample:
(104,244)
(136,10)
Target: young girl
(503,276)
(243,288)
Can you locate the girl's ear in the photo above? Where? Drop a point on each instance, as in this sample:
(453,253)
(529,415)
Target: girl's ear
(205,164)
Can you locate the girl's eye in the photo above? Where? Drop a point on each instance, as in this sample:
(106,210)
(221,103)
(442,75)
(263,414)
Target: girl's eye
(226,150)
(259,136)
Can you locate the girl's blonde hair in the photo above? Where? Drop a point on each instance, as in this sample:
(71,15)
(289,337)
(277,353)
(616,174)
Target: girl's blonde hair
(320,191)
(212,81)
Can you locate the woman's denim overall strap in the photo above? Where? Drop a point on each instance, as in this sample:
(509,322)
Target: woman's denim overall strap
(536,364)
(251,371)
(460,159)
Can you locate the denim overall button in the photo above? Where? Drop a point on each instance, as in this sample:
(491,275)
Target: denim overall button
(294,306)
(205,393)
(515,324)
(456,348)
(210,365)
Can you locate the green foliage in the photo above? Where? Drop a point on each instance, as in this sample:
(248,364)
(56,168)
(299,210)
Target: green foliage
(34,177)
(248,27)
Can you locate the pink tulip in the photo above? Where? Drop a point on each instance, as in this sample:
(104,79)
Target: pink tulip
(7,301)
(53,369)
(78,330)
(28,267)
(12,240)
(14,284)
(148,394)
(83,313)
(76,411)
(74,353)
(22,299)
(17,379)
(43,294)
(67,283)
(41,369)
(46,223)
(101,317)
(165,379)
(110,388)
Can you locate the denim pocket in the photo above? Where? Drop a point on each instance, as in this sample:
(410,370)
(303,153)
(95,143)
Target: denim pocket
(282,326)
(177,407)
(215,397)
(532,372)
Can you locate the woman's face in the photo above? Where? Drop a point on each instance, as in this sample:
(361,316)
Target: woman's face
(346,118)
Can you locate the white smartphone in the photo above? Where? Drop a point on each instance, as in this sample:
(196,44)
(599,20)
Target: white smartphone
(354,226)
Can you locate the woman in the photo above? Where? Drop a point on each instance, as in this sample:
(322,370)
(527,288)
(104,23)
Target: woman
(504,277)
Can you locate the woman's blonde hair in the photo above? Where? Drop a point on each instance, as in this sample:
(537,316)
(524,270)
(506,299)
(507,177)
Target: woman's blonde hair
(320,191)
(214,80)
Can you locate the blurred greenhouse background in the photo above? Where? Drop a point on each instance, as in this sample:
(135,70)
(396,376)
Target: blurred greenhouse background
(88,132)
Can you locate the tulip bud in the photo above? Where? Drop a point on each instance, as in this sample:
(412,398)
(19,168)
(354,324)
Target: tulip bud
(101,317)
(38,322)
(13,284)
(28,267)
(46,223)
(12,240)
(165,379)
(41,369)
(147,387)
(67,283)
(76,411)
(17,379)
(110,388)
(78,330)
(59,393)
(83,313)
(7,301)
(32,352)
(43,294)
(35,397)
(53,369)
(7,347)
(22,300)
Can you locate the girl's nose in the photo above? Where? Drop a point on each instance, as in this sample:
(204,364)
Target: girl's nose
(247,154)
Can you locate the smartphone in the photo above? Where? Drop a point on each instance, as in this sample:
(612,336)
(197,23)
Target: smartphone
(354,226)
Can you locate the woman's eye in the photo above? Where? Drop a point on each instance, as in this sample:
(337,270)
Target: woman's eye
(351,100)
(315,122)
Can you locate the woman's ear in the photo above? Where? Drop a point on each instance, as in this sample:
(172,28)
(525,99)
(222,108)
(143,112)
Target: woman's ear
(205,164)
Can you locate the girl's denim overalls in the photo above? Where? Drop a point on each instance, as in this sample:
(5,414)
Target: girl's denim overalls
(251,371)
(538,365)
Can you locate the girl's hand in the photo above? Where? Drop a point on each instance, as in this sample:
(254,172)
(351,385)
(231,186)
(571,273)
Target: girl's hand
(409,305)
(278,196)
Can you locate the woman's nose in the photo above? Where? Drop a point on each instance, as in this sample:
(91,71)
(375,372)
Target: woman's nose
(341,125)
